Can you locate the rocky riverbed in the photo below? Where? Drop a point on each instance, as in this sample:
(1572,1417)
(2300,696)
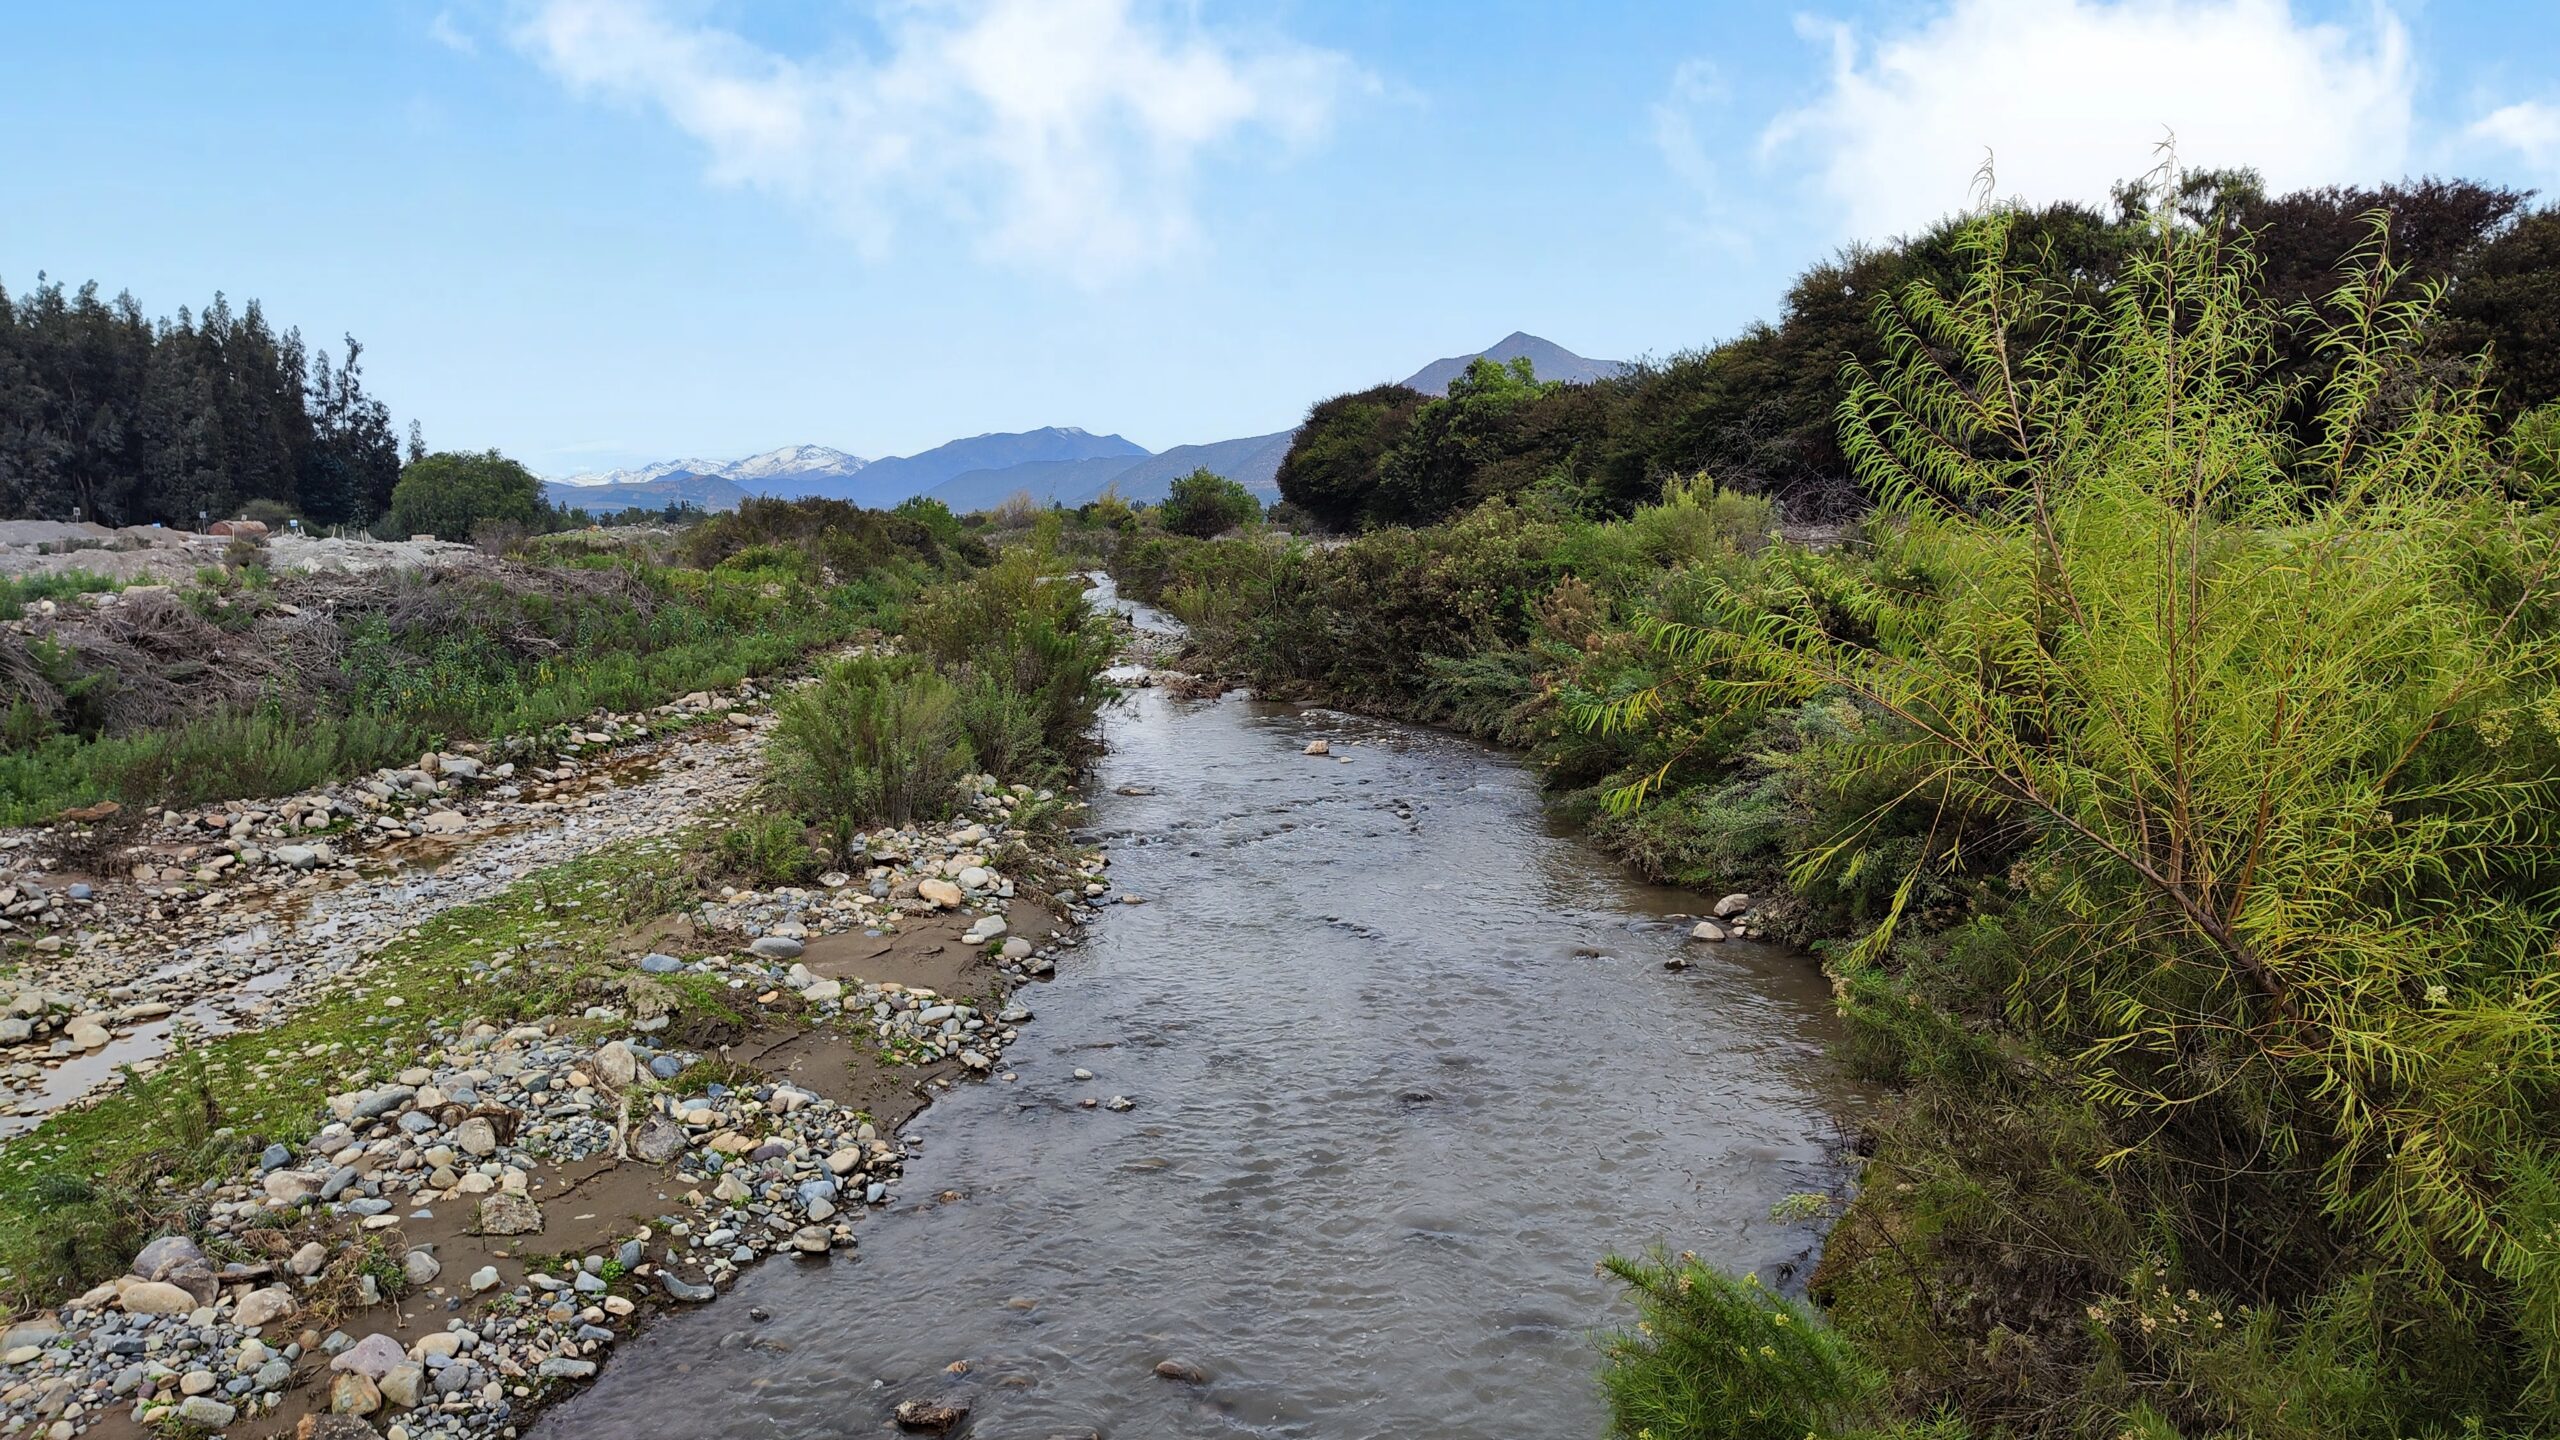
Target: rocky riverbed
(470,1226)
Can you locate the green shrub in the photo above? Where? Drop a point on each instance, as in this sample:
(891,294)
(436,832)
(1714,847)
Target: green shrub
(1715,1358)
(764,850)
(871,742)
(1203,503)
(448,494)
(1028,650)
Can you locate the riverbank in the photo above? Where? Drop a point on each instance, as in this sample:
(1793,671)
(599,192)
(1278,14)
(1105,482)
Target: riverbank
(404,1100)
(1404,1058)
(504,1198)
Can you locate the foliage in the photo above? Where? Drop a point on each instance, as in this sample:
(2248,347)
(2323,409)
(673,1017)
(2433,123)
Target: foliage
(1203,503)
(873,741)
(833,541)
(1757,411)
(2250,730)
(1714,1358)
(767,849)
(1333,461)
(134,421)
(2505,300)
(450,495)
(1027,651)
(2180,737)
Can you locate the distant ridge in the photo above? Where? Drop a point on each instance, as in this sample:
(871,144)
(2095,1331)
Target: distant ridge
(1551,360)
(1055,464)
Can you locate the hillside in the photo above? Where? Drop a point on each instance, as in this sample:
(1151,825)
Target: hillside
(1056,463)
(1552,362)
(1253,462)
(886,482)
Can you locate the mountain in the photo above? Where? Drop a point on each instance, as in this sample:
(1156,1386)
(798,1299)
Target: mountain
(1551,360)
(1059,463)
(712,484)
(886,482)
(666,487)
(1042,480)
(791,464)
(1253,462)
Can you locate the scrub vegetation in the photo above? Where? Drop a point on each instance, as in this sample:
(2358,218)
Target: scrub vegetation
(2164,761)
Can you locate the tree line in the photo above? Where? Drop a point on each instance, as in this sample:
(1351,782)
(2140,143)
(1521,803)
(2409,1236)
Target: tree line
(1760,412)
(115,417)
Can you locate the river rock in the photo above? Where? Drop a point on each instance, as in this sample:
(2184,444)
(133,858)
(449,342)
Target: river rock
(373,1357)
(354,1394)
(617,1064)
(308,1260)
(1319,747)
(420,1267)
(685,1290)
(155,1297)
(264,1307)
(658,1139)
(776,947)
(1708,931)
(932,1417)
(507,1213)
(941,892)
(476,1136)
(205,1411)
(400,1384)
(1183,1371)
(655,963)
(1732,905)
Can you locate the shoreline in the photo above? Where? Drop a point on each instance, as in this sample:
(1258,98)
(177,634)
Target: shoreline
(759,1077)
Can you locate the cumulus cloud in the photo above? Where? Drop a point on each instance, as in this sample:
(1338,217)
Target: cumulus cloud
(2529,129)
(2069,96)
(1064,133)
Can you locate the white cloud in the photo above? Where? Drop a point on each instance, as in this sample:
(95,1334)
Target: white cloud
(2529,128)
(2070,96)
(1679,123)
(1063,133)
(445,31)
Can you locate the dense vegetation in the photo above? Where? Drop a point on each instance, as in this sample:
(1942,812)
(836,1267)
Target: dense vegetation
(2167,764)
(453,495)
(1002,675)
(254,684)
(1757,411)
(133,421)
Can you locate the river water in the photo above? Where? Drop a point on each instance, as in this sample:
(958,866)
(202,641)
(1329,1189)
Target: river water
(1406,1062)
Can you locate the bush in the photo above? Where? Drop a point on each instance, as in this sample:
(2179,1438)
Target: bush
(767,850)
(447,494)
(871,742)
(1202,504)
(1715,1358)
(1029,652)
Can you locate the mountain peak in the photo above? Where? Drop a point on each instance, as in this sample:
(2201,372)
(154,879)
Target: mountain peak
(1551,361)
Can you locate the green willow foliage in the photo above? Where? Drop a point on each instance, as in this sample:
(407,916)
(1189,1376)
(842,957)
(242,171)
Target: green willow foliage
(2245,736)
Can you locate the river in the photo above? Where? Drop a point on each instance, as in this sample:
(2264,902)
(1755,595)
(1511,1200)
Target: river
(1406,1062)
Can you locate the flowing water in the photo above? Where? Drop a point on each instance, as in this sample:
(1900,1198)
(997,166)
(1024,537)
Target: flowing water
(1406,1063)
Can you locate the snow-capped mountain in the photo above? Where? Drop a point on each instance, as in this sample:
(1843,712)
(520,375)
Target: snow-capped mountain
(793,460)
(787,462)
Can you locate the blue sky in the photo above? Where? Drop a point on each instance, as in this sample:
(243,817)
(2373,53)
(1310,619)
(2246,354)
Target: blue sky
(592,232)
